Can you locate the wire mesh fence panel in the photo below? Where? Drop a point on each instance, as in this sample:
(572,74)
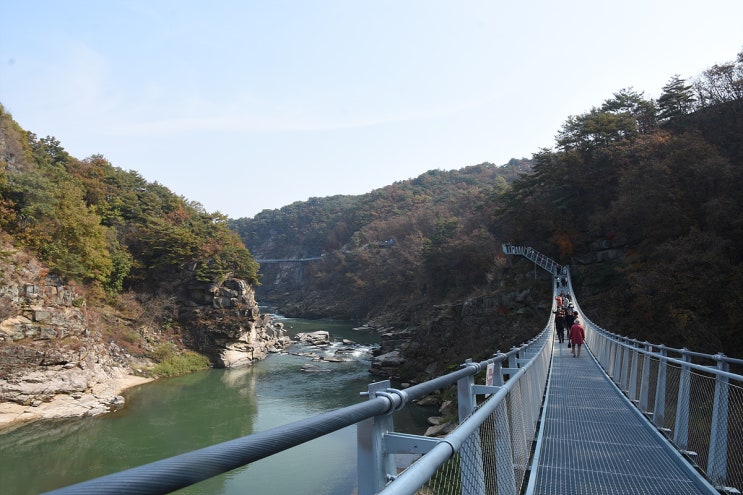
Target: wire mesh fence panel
(735,438)
(488,438)
(445,481)
(673,373)
(700,416)
(475,467)
(519,431)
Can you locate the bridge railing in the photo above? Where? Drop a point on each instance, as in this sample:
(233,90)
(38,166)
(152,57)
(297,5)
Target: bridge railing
(494,432)
(691,397)
(489,450)
(536,257)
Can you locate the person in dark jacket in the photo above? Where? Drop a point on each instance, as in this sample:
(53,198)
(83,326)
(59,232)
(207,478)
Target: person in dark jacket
(570,316)
(560,324)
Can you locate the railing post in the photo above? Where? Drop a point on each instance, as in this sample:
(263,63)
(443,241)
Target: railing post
(632,385)
(645,381)
(512,360)
(616,373)
(465,398)
(374,465)
(659,411)
(497,372)
(718,442)
(681,428)
(626,363)
(472,473)
(598,347)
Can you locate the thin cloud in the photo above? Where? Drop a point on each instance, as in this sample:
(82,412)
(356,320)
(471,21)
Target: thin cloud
(275,122)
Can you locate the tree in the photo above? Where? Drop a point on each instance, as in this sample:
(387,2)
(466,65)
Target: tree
(676,100)
(75,241)
(721,83)
(623,117)
(48,151)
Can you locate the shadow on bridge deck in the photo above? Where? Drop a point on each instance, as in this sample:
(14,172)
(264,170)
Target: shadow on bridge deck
(592,440)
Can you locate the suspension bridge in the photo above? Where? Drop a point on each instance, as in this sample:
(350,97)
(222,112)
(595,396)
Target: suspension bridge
(624,418)
(287,260)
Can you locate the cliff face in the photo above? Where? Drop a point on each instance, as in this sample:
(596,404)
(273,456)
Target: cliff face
(284,288)
(51,344)
(225,324)
(475,328)
(62,357)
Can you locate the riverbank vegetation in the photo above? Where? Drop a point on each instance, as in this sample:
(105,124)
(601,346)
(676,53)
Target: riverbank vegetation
(172,361)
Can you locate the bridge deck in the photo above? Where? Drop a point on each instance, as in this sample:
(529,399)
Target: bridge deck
(593,440)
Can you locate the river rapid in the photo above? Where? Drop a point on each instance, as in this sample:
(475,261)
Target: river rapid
(172,416)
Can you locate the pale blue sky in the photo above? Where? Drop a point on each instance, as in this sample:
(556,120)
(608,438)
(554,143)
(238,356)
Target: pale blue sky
(251,105)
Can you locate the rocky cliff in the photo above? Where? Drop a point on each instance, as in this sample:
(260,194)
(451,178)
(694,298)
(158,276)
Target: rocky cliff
(62,355)
(475,327)
(225,324)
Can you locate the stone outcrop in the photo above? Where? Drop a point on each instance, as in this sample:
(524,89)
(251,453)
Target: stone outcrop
(475,327)
(57,355)
(224,323)
(318,338)
(387,364)
(52,362)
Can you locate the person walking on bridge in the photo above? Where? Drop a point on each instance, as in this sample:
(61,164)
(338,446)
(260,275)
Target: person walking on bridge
(577,337)
(560,324)
(570,315)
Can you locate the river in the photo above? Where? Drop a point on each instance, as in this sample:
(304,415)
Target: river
(171,416)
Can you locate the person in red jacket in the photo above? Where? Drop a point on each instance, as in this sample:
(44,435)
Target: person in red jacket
(577,336)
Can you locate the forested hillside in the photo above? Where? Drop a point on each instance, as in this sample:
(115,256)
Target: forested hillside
(424,237)
(643,198)
(135,251)
(640,197)
(106,227)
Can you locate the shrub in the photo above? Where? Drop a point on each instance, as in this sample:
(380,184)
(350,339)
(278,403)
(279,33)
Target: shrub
(173,363)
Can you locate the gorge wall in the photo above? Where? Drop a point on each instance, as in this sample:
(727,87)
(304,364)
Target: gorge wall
(61,356)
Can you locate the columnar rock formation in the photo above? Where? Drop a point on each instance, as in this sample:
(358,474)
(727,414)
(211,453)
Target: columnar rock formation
(225,324)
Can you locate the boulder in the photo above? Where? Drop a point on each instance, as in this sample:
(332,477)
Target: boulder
(318,338)
(390,359)
(440,430)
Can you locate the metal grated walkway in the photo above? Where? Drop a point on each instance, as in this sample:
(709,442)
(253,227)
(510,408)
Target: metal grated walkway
(593,440)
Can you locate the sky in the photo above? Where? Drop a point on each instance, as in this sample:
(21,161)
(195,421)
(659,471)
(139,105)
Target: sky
(249,105)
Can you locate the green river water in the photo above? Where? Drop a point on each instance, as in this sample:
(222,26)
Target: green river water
(172,416)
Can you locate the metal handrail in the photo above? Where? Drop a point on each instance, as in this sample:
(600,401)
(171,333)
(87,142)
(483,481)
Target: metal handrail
(168,475)
(531,373)
(173,473)
(682,351)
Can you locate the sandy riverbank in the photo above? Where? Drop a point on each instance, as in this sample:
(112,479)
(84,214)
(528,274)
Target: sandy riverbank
(98,401)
